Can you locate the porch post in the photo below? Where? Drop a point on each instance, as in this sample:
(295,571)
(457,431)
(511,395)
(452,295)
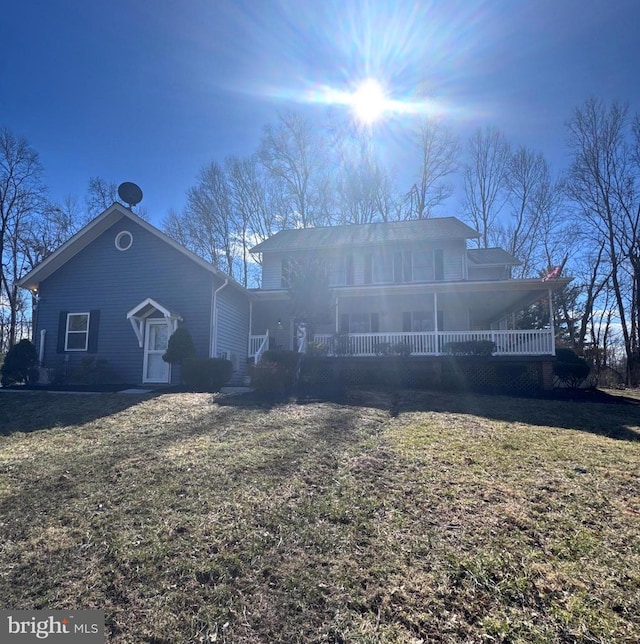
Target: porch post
(250,326)
(435,321)
(551,326)
(337,315)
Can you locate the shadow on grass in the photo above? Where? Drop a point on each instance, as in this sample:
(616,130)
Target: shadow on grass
(32,411)
(616,417)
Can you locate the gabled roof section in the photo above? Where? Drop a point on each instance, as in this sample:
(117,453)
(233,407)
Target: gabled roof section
(492,257)
(354,235)
(92,231)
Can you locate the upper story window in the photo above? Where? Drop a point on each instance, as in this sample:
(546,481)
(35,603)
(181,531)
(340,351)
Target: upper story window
(343,273)
(438,264)
(77,332)
(349,277)
(422,267)
(286,273)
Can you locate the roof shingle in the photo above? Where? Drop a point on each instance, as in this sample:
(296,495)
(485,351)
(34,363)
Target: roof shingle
(366,234)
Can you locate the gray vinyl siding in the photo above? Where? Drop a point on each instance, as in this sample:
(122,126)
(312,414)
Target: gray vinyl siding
(233,329)
(453,261)
(272,270)
(114,282)
(453,253)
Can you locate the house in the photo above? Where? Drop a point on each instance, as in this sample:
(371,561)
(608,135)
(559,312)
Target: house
(117,290)
(119,287)
(410,282)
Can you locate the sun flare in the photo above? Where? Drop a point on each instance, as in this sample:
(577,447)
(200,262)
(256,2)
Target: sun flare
(369,101)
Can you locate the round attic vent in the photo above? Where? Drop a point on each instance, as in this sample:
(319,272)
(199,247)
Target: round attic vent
(123,240)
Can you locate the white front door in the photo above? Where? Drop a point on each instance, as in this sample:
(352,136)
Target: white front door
(156,339)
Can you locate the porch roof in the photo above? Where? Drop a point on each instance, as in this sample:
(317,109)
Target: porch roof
(490,300)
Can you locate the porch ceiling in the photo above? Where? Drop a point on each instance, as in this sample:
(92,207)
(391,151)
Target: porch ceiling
(533,288)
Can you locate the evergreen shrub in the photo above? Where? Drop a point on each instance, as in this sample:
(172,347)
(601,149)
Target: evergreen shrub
(20,364)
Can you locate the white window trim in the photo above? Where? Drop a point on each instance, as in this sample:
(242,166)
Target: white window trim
(67,332)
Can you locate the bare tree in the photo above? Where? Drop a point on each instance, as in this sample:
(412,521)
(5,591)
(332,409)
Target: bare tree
(100,195)
(533,226)
(295,157)
(22,197)
(603,184)
(484,181)
(206,225)
(438,150)
(255,205)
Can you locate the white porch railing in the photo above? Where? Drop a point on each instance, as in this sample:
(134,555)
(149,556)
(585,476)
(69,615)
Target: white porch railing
(258,344)
(508,343)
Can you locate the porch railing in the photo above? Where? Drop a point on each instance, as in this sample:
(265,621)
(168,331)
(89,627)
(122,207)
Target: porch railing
(508,343)
(258,344)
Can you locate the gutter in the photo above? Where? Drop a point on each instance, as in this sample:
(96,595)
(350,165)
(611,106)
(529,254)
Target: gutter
(213,343)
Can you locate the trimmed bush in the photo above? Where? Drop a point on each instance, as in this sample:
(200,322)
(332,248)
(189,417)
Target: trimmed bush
(570,369)
(206,374)
(276,372)
(20,364)
(470,348)
(180,347)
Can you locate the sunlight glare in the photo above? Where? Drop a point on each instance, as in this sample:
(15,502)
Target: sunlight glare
(369,101)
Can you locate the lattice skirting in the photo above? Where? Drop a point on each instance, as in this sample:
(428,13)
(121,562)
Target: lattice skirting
(467,374)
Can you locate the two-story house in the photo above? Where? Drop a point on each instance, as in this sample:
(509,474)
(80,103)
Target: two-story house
(413,282)
(117,289)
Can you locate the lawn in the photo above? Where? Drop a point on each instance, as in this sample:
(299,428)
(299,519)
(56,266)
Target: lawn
(418,517)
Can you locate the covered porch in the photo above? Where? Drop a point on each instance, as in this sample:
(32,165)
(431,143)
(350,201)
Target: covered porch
(423,317)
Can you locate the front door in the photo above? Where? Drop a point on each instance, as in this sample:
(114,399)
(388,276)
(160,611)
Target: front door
(155,346)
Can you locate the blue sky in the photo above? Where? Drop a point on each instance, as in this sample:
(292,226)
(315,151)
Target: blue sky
(151,90)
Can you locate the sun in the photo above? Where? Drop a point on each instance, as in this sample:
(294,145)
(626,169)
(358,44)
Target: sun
(369,101)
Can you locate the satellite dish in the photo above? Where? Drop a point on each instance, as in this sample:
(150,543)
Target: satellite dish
(130,193)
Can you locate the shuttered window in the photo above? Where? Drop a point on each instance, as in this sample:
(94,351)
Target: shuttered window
(78,331)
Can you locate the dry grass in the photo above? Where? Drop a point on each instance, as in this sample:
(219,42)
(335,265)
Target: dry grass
(454,518)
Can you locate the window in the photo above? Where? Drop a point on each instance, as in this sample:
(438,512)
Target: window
(286,274)
(349,272)
(343,271)
(77,332)
(417,321)
(123,240)
(402,269)
(422,267)
(359,323)
(438,265)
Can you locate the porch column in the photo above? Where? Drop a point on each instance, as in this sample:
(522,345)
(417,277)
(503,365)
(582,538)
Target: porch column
(435,321)
(337,315)
(551,326)
(250,326)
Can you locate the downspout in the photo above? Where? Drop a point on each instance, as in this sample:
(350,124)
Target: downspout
(435,322)
(43,334)
(213,348)
(551,326)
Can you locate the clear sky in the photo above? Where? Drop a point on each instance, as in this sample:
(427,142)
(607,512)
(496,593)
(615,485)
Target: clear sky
(151,90)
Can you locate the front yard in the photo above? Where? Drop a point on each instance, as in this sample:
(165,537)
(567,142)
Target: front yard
(419,517)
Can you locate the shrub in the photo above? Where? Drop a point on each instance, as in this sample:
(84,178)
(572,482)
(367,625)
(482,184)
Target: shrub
(20,364)
(401,349)
(317,349)
(180,347)
(206,374)
(92,371)
(570,368)
(341,344)
(470,348)
(276,372)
